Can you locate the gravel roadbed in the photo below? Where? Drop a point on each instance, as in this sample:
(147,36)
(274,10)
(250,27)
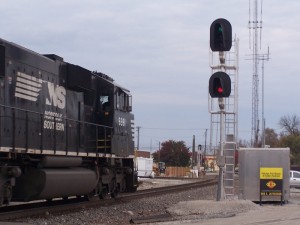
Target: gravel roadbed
(207,209)
(123,213)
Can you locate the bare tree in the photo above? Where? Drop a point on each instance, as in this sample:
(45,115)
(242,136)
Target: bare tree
(290,124)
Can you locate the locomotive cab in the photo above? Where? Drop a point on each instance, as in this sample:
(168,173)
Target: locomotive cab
(114,106)
(123,123)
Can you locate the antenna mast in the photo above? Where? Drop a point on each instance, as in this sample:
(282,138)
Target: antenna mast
(256,26)
(263,58)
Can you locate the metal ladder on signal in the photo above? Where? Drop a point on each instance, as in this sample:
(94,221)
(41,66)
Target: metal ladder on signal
(229,154)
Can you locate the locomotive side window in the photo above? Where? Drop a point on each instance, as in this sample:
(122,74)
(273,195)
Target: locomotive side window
(129,100)
(105,102)
(2,61)
(124,101)
(120,100)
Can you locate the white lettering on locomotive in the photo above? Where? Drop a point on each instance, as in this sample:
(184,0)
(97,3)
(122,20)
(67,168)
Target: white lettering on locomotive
(29,87)
(57,96)
(50,125)
(50,117)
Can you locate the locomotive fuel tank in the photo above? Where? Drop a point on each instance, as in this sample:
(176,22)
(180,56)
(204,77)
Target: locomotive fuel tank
(50,183)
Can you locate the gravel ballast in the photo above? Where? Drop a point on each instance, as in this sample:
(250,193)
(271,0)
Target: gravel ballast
(124,212)
(196,204)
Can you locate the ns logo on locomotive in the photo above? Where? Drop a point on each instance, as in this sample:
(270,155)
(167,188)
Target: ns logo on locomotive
(61,125)
(28,88)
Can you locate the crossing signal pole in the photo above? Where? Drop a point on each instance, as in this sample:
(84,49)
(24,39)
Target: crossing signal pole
(220,86)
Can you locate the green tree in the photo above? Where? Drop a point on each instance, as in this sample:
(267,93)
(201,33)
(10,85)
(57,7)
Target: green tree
(271,138)
(293,142)
(173,153)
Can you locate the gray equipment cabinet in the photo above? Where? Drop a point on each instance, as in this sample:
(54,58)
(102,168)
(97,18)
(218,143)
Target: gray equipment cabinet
(251,160)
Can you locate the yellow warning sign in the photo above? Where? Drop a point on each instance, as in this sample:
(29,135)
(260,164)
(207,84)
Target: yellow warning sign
(271,173)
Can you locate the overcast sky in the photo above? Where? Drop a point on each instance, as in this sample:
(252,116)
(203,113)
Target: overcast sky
(159,50)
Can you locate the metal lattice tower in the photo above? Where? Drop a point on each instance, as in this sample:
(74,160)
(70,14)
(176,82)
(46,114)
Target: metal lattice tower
(230,114)
(263,58)
(256,26)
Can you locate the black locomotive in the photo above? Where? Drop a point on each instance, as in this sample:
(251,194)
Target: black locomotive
(64,130)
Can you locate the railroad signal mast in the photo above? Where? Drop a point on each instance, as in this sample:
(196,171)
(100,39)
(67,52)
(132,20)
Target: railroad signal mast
(223,116)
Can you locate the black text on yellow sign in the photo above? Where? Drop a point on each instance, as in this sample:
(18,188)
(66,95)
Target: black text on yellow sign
(274,173)
(271,179)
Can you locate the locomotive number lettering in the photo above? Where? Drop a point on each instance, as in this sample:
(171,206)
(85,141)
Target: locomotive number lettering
(122,122)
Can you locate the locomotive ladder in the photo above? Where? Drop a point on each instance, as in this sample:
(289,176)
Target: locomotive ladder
(103,141)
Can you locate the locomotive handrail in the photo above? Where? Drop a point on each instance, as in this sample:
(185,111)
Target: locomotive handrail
(67,121)
(85,122)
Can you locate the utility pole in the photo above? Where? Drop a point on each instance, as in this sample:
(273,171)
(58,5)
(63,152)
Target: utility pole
(193,154)
(158,152)
(204,155)
(205,142)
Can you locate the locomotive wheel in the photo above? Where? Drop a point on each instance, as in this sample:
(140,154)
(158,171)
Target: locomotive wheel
(103,193)
(132,189)
(114,194)
(123,185)
(89,196)
(2,192)
(114,190)
(7,194)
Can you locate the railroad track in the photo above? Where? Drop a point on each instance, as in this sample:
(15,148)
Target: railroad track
(168,189)
(76,204)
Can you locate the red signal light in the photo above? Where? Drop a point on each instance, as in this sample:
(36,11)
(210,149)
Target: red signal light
(219,85)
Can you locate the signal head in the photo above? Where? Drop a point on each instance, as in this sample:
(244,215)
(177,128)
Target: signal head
(220,35)
(219,85)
